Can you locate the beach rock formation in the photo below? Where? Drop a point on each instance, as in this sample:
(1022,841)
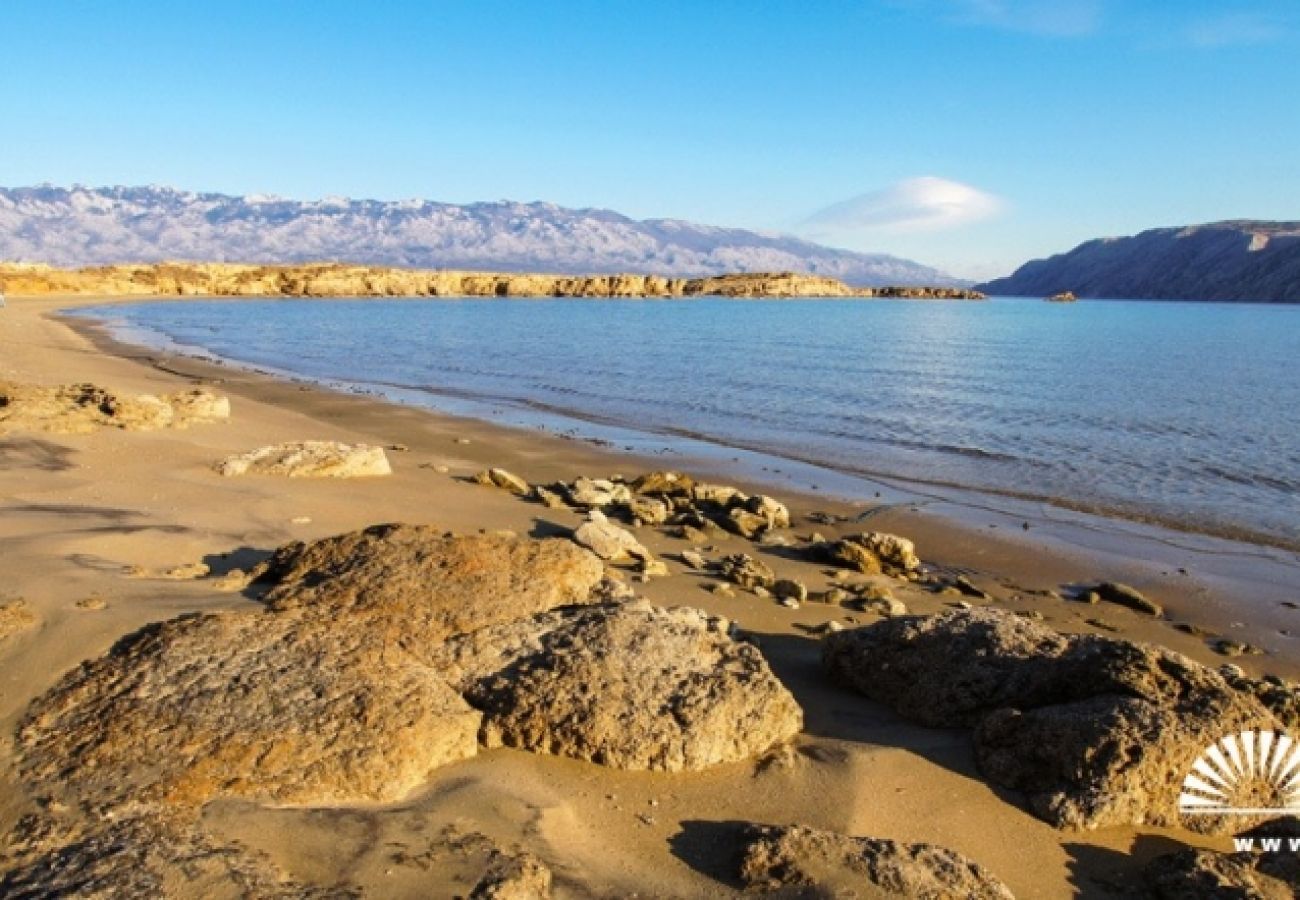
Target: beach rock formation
(519,877)
(82,408)
(631,686)
(871,552)
(829,864)
(605,539)
(1194,874)
(1093,731)
(15,616)
(507,481)
(309,459)
(417,585)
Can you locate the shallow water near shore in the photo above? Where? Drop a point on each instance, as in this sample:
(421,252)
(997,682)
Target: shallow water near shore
(1174,413)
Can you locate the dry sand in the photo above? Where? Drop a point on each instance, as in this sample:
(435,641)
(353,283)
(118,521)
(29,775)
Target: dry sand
(78,512)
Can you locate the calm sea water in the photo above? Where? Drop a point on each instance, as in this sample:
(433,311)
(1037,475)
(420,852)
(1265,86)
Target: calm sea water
(1183,413)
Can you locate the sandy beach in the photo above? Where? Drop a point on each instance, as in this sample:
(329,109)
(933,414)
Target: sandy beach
(91,525)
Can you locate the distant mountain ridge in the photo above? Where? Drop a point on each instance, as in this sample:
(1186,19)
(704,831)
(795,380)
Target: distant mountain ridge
(82,226)
(1236,260)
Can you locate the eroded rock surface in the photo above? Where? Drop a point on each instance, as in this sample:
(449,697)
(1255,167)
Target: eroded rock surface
(309,459)
(607,540)
(15,616)
(1194,874)
(872,552)
(513,877)
(828,864)
(81,408)
(1094,731)
(630,685)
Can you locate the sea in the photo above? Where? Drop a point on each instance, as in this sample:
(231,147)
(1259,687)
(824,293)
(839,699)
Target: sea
(1181,414)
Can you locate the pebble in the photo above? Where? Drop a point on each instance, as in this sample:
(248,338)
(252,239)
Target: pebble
(789,602)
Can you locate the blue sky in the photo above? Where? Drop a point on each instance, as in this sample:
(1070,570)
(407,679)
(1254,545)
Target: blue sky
(970,134)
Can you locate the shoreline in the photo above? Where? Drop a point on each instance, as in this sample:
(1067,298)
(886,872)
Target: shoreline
(80,510)
(1206,579)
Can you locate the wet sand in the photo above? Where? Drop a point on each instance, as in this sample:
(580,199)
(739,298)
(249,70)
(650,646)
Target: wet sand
(78,511)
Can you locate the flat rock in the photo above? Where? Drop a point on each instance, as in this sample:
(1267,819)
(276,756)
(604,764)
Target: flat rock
(630,686)
(416,585)
(252,705)
(829,864)
(82,408)
(1094,731)
(507,481)
(309,459)
(15,616)
(607,540)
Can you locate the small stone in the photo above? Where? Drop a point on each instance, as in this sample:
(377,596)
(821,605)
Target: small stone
(968,588)
(507,481)
(92,603)
(693,559)
(761,592)
(653,567)
(787,587)
(790,603)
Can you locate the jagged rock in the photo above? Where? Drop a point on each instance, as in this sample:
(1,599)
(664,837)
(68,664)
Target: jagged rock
(872,552)
(607,540)
(1123,595)
(718,494)
(1194,874)
(310,459)
(591,493)
(1094,731)
(81,408)
(519,877)
(789,588)
(647,511)
(744,523)
(1281,699)
(253,705)
(15,616)
(772,512)
(663,483)
(744,570)
(507,481)
(417,585)
(630,686)
(549,498)
(829,864)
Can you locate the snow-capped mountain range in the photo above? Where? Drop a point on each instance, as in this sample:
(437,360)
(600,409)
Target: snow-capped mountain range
(83,226)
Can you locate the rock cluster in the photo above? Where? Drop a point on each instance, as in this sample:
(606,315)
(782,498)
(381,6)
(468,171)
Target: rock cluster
(82,408)
(1093,731)
(380,656)
(828,864)
(309,459)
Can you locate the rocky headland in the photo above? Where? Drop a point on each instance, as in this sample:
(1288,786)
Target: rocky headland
(341,280)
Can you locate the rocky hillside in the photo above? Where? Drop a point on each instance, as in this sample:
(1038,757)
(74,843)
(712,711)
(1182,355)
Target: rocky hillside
(1221,261)
(101,226)
(336,280)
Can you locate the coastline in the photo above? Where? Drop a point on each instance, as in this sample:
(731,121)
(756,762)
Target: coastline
(85,507)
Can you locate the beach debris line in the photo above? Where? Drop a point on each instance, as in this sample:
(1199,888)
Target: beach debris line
(309,459)
(827,862)
(83,408)
(1094,731)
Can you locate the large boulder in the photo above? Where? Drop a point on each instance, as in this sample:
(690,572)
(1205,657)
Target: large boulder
(249,705)
(81,408)
(416,585)
(828,864)
(1094,731)
(309,459)
(630,686)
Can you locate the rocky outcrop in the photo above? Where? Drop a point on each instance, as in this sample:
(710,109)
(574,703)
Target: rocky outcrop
(82,408)
(828,864)
(630,685)
(1063,297)
(1239,260)
(1261,874)
(1093,731)
(309,459)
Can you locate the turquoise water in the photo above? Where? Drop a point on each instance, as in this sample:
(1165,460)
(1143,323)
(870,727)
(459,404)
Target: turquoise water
(1181,413)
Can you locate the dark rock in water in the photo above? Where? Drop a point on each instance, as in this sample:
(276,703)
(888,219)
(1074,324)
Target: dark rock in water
(1095,731)
(829,864)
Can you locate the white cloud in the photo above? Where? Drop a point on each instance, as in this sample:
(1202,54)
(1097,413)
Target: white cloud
(914,205)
